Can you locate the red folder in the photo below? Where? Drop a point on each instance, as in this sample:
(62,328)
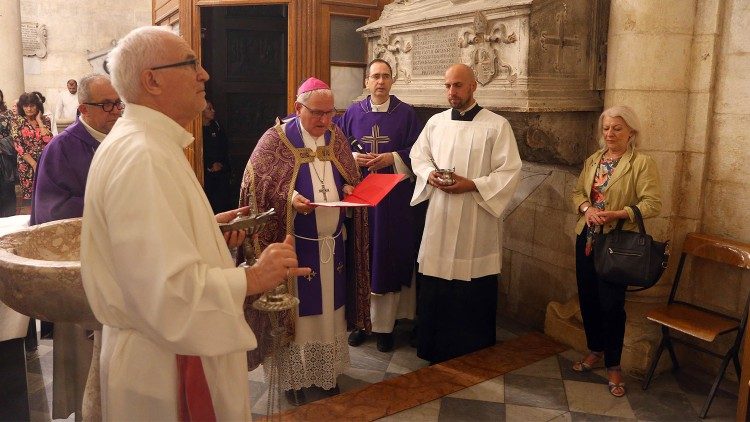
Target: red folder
(368,192)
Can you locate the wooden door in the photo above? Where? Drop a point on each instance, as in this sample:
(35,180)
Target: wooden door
(244,49)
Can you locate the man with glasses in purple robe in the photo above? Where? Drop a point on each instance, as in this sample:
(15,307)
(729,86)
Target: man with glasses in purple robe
(298,162)
(58,194)
(382,130)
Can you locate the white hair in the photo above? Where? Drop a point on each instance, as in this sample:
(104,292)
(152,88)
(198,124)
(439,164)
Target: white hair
(137,51)
(625,113)
(303,97)
(84,87)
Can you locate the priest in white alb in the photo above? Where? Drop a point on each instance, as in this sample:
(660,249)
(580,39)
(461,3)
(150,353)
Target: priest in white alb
(156,269)
(460,256)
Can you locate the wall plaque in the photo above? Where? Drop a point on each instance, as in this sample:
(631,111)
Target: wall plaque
(34,39)
(434,51)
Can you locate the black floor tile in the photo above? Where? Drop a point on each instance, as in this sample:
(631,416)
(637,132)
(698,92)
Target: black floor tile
(459,410)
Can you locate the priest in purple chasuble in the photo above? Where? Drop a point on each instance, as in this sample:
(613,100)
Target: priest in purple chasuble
(299,161)
(58,194)
(381,130)
(460,256)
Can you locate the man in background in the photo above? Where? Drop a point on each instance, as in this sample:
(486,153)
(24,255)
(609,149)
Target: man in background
(58,194)
(67,106)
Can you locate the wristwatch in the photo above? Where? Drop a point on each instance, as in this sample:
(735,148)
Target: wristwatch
(585,208)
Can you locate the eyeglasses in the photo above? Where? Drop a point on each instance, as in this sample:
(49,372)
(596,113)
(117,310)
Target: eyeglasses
(319,113)
(191,62)
(108,106)
(383,76)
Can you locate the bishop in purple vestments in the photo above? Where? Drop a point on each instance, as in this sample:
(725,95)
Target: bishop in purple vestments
(300,161)
(382,129)
(58,194)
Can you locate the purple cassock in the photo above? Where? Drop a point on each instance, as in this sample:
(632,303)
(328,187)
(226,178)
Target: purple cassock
(393,231)
(61,173)
(308,251)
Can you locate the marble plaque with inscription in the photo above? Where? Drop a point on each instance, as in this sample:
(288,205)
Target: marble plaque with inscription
(34,39)
(434,51)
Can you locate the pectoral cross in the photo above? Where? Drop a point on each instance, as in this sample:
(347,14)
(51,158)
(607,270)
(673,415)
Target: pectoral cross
(323,190)
(375,139)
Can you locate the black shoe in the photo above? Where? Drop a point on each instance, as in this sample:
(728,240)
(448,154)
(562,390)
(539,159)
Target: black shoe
(357,337)
(413,339)
(295,397)
(385,342)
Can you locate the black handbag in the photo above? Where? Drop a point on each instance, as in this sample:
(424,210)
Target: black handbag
(628,258)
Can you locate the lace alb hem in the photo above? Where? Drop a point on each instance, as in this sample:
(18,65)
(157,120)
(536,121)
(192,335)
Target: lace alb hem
(305,365)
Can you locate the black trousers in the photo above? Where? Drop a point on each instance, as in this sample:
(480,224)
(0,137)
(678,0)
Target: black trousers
(602,307)
(455,317)
(14,398)
(7,199)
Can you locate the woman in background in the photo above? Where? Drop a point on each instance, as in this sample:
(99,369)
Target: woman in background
(31,132)
(613,178)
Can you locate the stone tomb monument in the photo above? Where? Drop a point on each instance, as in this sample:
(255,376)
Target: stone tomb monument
(539,63)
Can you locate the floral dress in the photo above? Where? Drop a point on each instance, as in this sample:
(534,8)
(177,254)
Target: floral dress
(604,171)
(29,140)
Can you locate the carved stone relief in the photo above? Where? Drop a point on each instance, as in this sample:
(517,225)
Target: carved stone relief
(478,45)
(556,42)
(390,51)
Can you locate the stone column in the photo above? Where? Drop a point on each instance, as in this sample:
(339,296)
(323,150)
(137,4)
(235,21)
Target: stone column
(11,66)
(649,68)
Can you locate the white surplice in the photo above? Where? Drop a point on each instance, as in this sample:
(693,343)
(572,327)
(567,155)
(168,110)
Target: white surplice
(159,276)
(319,351)
(463,233)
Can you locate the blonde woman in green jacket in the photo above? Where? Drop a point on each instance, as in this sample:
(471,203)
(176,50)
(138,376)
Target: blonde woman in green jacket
(612,179)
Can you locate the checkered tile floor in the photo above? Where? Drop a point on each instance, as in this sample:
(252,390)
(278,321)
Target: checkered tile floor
(547,390)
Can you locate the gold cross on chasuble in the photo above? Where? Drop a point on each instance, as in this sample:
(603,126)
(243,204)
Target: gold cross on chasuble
(310,276)
(375,139)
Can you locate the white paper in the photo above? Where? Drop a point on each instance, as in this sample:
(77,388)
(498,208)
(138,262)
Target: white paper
(340,204)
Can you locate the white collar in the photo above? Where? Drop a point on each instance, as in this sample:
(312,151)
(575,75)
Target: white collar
(467,109)
(380,108)
(158,121)
(93,132)
(307,138)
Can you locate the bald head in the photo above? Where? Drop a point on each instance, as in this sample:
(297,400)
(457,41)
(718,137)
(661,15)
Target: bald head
(460,84)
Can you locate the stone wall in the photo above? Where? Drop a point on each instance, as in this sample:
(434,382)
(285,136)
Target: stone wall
(75,28)
(683,66)
(717,148)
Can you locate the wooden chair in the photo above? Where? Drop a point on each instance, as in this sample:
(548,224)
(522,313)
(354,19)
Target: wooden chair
(696,321)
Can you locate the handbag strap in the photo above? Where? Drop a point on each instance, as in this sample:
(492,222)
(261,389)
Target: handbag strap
(639,219)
